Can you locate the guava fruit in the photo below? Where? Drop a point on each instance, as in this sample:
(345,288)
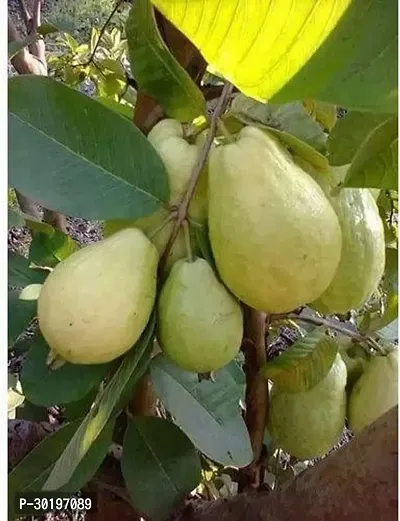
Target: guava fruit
(200,324)
(94,306)
(148,225)
(307,424)
(179,158)
(355,359)
(375,392)
(275,237)
(362,259)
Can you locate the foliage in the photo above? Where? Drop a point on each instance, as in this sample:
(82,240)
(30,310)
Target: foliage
(82,156)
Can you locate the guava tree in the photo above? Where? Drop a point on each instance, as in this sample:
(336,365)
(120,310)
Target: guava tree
(236,206)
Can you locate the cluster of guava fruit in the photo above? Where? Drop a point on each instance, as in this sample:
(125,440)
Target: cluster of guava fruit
(281,238)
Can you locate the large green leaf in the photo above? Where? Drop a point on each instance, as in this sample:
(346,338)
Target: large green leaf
(20,314)
(20,274)
(15,396)
(74,155)
(44,386)
(99,414)
(343,52)
(156,70)
(375,164)
(160,466)
(304,364)
(207,411)
(348,134)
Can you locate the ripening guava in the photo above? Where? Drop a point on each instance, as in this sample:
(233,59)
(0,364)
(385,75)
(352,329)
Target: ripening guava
(275,237)
(307,424)
(94,305)
(375,392)
(200,324)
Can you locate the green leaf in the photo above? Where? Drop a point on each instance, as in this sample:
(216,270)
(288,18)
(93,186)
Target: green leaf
(20,274)
(296,145)
(291,118)
(304,364)
(207,411)
(160,466)
(91,461)
(44,386)
(121,108)
(61,154)
(156,70)
(15,218)
(348,134)
(48,250)
(324,113)
(284,51)
(200,233)
(20,314)
(99,414)
(375,164)
(74,410)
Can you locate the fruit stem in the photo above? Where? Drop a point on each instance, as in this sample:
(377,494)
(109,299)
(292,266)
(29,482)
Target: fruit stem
(224,131)
(170,217)
(332,325)
(198,167)
(188,246)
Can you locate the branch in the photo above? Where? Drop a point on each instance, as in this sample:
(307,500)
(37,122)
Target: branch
(359,481)
(102,31)
(255,417)
(332,325)
(201,160)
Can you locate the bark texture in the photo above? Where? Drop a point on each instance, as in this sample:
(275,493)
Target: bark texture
(356,483)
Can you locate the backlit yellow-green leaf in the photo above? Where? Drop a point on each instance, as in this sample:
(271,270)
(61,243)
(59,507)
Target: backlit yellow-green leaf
(339,51)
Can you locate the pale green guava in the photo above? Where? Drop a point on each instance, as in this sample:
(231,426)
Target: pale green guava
(307,424)
(275,237)
(200,324)
(375,392)
(94,306)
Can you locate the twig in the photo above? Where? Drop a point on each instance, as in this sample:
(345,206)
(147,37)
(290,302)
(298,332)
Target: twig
(101,34)
(332,325)
(201,160)
(254,350)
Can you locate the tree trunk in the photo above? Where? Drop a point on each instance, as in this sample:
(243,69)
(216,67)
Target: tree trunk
(358,482)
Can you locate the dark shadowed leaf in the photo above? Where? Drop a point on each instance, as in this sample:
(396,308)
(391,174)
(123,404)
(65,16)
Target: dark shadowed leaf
(304,364)
(20,274)
(15,218)
(20,314)
(160,466)
(99,414)
(207,411)
(68,383)
(72,154)
(375,164)
(348,134)
(156,70)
